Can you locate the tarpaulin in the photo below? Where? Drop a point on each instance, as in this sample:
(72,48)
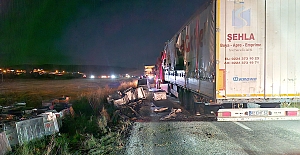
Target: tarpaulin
(4,144)
(30,129)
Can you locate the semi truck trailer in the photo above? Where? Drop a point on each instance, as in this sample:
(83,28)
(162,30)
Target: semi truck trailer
(236,54)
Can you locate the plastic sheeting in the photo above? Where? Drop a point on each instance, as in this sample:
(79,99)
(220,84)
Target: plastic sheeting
(130,95)
(4,144)
(11,133)
(140,93)
(23,131)
(30,129)
(50,123)
(26,130)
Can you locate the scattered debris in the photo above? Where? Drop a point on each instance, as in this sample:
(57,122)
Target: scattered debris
(129,102)
(160,95)
(20,111)
(161,109)
(19,123)
(116,98)
(209,135)
(7,117)
(172,114)
(128,96)
(20,104)
(177,110)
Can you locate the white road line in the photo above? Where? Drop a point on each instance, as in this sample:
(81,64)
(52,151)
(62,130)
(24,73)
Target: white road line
(243,126)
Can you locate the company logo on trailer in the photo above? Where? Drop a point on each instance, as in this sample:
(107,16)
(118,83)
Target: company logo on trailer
(241,17)
(243,79)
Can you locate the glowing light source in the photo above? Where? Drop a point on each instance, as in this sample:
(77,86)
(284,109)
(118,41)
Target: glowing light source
(113,76)
(92,77)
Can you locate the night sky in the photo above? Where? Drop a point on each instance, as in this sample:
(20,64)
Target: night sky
(127,33)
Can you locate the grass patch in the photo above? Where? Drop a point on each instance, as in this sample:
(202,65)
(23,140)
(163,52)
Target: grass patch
(95,128)
(33,92)
(55,144)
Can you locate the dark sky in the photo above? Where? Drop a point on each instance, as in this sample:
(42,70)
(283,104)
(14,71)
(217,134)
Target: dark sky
(89,32)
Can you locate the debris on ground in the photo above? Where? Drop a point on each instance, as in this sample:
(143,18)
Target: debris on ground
(161,109)
(138,104)
(128,102)
(172,114)
(159,95)
(130,95)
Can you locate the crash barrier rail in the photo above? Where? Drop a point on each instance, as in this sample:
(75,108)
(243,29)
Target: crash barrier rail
(258,114)
(44,124)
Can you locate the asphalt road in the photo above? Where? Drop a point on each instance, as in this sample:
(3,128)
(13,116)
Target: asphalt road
(196,137)
(176,137)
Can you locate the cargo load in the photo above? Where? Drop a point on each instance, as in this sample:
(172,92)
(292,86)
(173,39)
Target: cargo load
(235,54)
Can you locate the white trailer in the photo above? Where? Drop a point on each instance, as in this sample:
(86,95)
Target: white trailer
(237,53)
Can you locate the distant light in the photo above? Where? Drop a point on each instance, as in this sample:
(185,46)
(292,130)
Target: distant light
(113,76)
(92,76)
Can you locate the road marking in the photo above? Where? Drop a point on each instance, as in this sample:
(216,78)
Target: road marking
(243,126)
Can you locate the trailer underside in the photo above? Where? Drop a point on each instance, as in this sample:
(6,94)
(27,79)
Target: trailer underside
(199,104)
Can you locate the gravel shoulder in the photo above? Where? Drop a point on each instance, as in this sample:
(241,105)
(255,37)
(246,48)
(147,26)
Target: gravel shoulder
(147,111)
(151,138)
(188,134)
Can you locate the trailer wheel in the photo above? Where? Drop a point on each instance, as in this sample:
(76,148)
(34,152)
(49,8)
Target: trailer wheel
(169,91)
(180,96)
